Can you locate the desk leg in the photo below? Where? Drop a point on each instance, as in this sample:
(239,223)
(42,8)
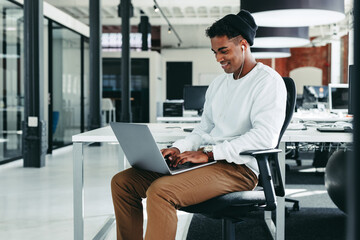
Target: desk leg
(78,178)
(280,210)
(122,161)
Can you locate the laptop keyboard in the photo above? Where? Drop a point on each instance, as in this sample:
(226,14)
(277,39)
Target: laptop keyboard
(181,166)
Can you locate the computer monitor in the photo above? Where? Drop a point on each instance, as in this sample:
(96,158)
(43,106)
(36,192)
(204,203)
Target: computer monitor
(339,97)
(315,97)
(315,94)
(194,97)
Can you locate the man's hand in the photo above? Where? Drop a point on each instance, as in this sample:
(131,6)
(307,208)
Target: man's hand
(190,156)
(170,153)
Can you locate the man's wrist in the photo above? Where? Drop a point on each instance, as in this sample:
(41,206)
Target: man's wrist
(208,150)
(210,155)
(175,148)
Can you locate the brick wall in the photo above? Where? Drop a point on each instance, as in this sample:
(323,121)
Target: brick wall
(319,57)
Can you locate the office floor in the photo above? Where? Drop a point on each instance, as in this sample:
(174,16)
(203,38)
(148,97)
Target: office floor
(37,203)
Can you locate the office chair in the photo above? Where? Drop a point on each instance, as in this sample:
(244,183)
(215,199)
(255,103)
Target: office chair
(232,207)
(108,111)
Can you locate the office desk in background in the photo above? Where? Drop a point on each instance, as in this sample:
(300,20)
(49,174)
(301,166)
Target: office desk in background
(178,119)
(168,133)
(303,115)
(318,116)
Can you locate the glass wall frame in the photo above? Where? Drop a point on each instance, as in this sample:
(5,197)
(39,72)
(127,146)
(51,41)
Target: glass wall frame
(68,84)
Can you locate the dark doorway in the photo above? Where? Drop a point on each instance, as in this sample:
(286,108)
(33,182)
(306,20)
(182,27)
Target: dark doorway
(178,74)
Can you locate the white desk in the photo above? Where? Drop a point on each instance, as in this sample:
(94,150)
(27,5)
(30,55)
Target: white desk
(166,133)
(311,135)
(178,119)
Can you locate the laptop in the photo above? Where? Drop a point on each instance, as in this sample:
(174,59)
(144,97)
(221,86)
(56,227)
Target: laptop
(142,152)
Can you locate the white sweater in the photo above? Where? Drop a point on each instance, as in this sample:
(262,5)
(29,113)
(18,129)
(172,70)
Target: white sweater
(240,115)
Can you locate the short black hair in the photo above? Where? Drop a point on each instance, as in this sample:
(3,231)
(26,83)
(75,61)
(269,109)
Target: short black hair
(221,28)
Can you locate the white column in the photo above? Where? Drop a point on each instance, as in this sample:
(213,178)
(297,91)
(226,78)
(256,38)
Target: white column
(351,47)
(335,61)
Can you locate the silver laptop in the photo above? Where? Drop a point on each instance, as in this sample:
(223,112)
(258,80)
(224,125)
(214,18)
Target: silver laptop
(142,152)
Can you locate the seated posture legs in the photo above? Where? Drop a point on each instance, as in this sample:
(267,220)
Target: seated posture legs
(165,194)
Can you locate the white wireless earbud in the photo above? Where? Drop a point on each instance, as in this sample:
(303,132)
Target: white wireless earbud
(243,47)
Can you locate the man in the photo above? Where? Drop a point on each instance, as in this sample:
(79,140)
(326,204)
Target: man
(244,110)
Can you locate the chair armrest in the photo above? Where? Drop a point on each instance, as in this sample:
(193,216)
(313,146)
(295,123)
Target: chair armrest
(265,176)
(261,151)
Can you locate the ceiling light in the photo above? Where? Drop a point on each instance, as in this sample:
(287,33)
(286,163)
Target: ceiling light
(171,28)
(294,13)
(267,53)
(272,37)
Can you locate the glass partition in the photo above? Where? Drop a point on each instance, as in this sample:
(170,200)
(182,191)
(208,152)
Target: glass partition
(11,80)
(66,85)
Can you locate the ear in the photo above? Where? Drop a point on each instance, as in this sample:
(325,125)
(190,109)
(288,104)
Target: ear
(243,43)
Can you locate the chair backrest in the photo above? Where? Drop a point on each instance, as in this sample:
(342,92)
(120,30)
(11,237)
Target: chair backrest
(106,104)
(274,163)
(290,104)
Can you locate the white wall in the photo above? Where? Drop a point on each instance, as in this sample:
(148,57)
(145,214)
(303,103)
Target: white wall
(351,47)
(306,76)
(336,61)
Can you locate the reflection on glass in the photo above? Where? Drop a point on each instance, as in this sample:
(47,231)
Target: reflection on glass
(11,80)
(66,85)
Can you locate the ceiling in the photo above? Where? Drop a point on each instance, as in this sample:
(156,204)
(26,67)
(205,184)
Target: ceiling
(179,12)
(185,13)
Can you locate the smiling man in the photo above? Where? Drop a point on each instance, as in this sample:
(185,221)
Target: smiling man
(244,110)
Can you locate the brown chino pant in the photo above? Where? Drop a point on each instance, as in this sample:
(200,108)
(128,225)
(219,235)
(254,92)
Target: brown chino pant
(166,193)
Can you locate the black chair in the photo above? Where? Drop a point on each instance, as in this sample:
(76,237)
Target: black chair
(232,207)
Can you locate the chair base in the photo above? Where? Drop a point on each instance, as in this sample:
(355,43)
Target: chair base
(296,205)
(228,229)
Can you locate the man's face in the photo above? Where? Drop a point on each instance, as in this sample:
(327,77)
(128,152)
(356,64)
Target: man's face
(227,52)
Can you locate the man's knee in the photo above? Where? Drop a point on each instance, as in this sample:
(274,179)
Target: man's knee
(160,188)
(119,180)
(115,179)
